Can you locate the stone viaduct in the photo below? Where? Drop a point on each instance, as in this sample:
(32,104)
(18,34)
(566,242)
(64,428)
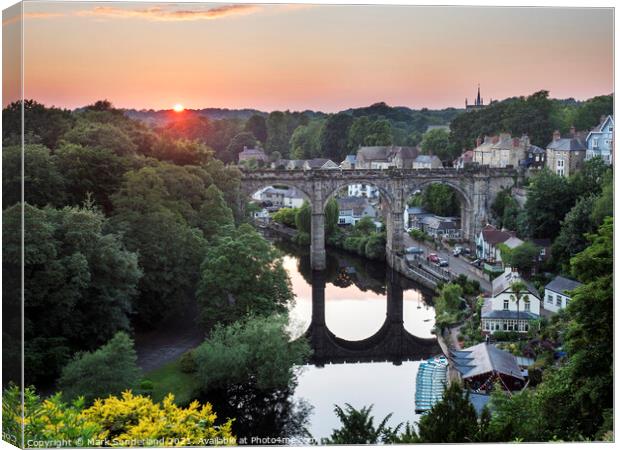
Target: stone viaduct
(476,189)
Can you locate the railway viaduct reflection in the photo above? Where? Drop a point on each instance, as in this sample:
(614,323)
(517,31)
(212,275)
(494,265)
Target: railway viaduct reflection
(392,342)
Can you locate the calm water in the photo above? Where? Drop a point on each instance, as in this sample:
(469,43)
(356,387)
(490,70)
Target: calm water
(355,301)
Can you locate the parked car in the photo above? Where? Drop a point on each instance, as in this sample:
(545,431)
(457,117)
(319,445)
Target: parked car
(442,262)
(414,251)
(432,257)
(457,251)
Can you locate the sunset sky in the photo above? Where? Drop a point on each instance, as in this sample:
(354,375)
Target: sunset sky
(329,58)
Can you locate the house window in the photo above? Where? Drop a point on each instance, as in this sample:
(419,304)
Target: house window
(527,306)
(550,299)
(560,163)
(505,305)
(342,221)
(558,300)
(595,143)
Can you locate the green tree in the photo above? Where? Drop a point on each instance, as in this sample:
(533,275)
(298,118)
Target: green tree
(549,198)
(357,427)
(435,142)
(109,370)
(214,213)
(604,204)
(440,199)
(42,125)
(572,238)
(101,136)
(331,216)
(303,218)
(519,293)
(306,140)
(334,136)
(590,179)
(375,246)
(285,216)
(81,283)
(448,304)
(277,134)
(87,170)
(523,257)
(451,420)
(514,416)
(256,350)
(589,114)
(242,274)
(367,131)
(43,182)
(170,253)
(241,140)
(258,127)
(181,151)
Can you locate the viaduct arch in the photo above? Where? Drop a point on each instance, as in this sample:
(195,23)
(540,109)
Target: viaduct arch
(476,188)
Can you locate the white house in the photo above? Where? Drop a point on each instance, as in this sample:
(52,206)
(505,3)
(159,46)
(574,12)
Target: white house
(556,293)
(439,227)
(352,209)
(502,313)
(487,243)
(363,190)
(279,197)
(426,162)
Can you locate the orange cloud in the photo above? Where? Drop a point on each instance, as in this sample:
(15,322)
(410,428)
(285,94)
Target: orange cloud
(31,15)
(162,14)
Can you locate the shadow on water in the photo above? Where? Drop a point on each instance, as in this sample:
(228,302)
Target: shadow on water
(262,417)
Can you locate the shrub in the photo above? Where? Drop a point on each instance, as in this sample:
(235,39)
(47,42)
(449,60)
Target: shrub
(187,362)
(109,370)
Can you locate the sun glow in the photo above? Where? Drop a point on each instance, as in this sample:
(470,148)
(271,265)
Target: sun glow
(178,107)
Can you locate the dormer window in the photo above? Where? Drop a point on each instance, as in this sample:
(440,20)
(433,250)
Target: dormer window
(595,143)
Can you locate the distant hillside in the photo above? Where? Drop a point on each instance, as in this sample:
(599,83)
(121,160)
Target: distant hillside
(377,110)
(162,116)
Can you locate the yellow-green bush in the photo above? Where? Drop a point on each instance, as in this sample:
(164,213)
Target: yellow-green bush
(128,420)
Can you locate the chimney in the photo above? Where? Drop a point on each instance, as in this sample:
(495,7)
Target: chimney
(556,135)
(245,148)
(478,141)
(573,132)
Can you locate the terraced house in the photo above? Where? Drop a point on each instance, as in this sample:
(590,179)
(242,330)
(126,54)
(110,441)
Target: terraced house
(565,155)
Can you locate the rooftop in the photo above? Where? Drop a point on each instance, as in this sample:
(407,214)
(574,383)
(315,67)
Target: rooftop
(571,144)
(503,282)
(485,358)
(494,236)
(562,285)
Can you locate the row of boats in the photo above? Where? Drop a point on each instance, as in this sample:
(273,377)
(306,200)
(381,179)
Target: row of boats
(430,383)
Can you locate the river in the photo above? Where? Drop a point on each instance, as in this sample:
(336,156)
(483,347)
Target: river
(355,300)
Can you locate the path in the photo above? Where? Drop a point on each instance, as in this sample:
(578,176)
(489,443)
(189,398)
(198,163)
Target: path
(172,338)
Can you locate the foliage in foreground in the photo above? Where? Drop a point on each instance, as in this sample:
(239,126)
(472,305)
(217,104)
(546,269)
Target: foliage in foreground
(109,370)
(358,427)
(128,420)
(258,350)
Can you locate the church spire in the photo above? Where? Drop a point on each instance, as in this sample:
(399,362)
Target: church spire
(478,99)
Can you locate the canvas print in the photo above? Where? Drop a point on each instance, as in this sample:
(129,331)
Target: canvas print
(306,224)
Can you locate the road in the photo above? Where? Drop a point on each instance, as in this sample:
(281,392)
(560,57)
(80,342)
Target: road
(457,265)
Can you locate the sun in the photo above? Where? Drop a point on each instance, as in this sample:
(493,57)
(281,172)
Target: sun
(178,107)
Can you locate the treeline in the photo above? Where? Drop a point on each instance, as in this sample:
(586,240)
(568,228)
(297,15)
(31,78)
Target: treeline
(536,115)
(124,227)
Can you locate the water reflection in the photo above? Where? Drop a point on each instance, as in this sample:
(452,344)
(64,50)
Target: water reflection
(344,309)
